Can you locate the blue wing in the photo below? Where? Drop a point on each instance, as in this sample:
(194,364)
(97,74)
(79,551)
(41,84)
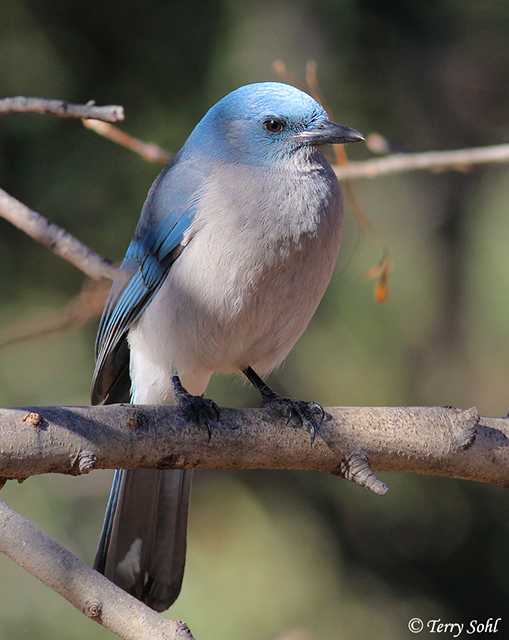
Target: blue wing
(167,213)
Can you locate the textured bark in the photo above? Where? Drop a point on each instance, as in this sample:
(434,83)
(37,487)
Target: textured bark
(20,104)
(457,160)
(350,441)
(89,591)
(55,238)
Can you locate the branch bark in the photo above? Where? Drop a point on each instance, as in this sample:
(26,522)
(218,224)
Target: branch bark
(89,591)
(20,104)
(147,150)
(56,238)
(352,442)
(459,160)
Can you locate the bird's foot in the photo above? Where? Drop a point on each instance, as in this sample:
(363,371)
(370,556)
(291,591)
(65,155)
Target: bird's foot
(198,410)
(307,414)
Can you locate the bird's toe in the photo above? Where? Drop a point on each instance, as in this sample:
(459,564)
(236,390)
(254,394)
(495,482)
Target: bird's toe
(307,415)
(199,411)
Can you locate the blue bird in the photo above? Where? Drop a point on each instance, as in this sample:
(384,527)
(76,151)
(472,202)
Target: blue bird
(235,246)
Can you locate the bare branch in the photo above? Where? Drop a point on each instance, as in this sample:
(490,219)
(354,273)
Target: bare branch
(147,150)
(458,160)
(352,442)
(427,440)
(88,591)
(20,104)
(38,227)
(55,238)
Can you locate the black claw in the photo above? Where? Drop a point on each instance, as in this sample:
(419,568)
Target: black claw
(196,409)
(288,412)
(318,409)
(304,412)
(200,412)
(209,431)
(215,408)
(308,422)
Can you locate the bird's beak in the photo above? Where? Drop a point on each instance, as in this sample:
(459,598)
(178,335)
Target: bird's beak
(329,133)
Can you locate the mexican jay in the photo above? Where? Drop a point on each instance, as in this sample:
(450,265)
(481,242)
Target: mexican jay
(234,249)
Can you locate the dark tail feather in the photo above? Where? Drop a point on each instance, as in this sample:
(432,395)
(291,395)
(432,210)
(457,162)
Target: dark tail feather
(104,541)
(143,542)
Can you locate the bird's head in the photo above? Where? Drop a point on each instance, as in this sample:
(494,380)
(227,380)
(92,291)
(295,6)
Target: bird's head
(266,121)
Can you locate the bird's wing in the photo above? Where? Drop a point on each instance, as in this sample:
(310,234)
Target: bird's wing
(166,216)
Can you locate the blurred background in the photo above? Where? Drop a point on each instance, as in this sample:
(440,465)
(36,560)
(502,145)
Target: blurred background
(271,552)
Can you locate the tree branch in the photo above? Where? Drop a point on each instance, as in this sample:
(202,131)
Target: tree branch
(88,591)
(55,238)
(352,442)
(38,227)
(20,104)
(147,150)
(459,160)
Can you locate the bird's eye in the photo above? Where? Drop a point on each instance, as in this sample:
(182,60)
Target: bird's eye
(273,125)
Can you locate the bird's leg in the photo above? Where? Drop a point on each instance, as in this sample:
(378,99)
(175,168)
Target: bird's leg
(307,413)
(196,409)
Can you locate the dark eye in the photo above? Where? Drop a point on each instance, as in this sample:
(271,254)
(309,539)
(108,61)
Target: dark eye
(273,125)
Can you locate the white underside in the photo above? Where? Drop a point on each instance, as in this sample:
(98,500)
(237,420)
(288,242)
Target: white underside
(244,289)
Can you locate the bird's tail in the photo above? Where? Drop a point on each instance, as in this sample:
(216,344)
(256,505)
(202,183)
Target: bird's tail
(143,541)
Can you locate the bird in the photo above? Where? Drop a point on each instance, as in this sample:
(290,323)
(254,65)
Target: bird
(236,244)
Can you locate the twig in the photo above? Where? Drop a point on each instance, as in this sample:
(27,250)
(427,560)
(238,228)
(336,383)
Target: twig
(148,150)
(88,591)
(312,87)
(351,442)
(20,104)
(458,160)
(55,238)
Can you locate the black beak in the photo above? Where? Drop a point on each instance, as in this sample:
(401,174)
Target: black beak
(329,133)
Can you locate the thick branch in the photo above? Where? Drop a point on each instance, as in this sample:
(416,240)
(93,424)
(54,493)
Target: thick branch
(460,160)
(426,440)
(20,104)
(55,238)
(89,591)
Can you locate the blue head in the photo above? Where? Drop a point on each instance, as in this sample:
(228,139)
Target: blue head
(264,122)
